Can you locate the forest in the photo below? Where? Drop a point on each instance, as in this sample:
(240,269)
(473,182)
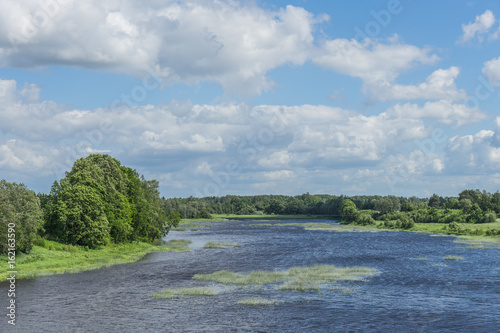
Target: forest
(471,206)
(100,201)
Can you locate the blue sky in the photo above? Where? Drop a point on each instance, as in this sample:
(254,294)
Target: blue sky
(252,97)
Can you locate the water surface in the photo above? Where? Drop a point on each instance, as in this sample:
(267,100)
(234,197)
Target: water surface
(406,295)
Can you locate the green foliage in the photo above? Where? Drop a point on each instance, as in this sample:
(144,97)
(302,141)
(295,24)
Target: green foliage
(405,222)
(348,211)
(20,207)
(388,204)
(81,219)
(100,201)
(365,218)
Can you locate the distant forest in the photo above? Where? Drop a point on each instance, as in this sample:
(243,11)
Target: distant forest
(469,201)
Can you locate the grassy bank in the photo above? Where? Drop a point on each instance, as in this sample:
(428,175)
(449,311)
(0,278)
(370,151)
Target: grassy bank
(55,258)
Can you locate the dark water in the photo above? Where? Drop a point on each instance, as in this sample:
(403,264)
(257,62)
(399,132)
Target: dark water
(406,295)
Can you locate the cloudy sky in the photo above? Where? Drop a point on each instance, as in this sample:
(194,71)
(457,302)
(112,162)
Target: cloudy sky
(216,97)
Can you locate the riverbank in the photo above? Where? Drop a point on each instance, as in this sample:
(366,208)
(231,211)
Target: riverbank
(51,257)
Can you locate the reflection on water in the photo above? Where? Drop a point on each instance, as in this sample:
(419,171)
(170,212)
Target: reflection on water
(415,289)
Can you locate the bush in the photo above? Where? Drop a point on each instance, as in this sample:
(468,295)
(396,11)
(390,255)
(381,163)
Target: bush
(405,222)
(365,219)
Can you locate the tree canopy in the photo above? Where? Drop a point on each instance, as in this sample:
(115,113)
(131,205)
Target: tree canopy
(19,211)
(101,201)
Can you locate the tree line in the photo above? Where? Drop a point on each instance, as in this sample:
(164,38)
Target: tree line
(101,201)
(98,202)
(328,205)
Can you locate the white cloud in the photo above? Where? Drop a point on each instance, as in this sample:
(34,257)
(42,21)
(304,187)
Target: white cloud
(279,175)
(445,111)
(190,41)
(189,145)
(475,154)
(479,27)
(277,159)
(375,63)
(491,70)
(439,85)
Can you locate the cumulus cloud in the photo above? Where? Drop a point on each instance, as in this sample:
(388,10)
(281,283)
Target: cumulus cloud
(445,111)
(479,27)
(491,70)
(224,41)
(475,154)
(439,85)
(185,145)
(374,62)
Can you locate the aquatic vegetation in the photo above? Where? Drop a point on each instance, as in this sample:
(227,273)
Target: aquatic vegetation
(178,245)
(479,243)
(178,229)
(420,258)
(257,301)
(219,245)
(185,291)
(440,264)
(453,258)
(296,278)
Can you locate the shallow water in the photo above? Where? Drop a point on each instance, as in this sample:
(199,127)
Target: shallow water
(406,295)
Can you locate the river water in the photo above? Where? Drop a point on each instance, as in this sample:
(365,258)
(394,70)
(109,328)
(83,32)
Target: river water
(405,295)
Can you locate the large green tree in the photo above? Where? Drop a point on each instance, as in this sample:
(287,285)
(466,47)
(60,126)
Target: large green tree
(20,212)
(100,200)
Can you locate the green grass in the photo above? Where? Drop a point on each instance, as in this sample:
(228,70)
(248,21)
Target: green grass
(219,245)
(184,291)
(453,258)
(468,230)
(420,258)
(179,229)
(57,258)
(295,278)
(257,301)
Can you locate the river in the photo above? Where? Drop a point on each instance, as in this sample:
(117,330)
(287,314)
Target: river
(414,288)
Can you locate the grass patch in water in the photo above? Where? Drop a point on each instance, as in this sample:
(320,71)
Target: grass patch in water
(420,258)
(178,245)
(219,245)
(257,301)
(261,225)
(295,278)
(185,291)
(179,229)
(479,242)
(453,258)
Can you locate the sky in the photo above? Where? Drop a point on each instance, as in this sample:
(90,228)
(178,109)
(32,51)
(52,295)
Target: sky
(218,97)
